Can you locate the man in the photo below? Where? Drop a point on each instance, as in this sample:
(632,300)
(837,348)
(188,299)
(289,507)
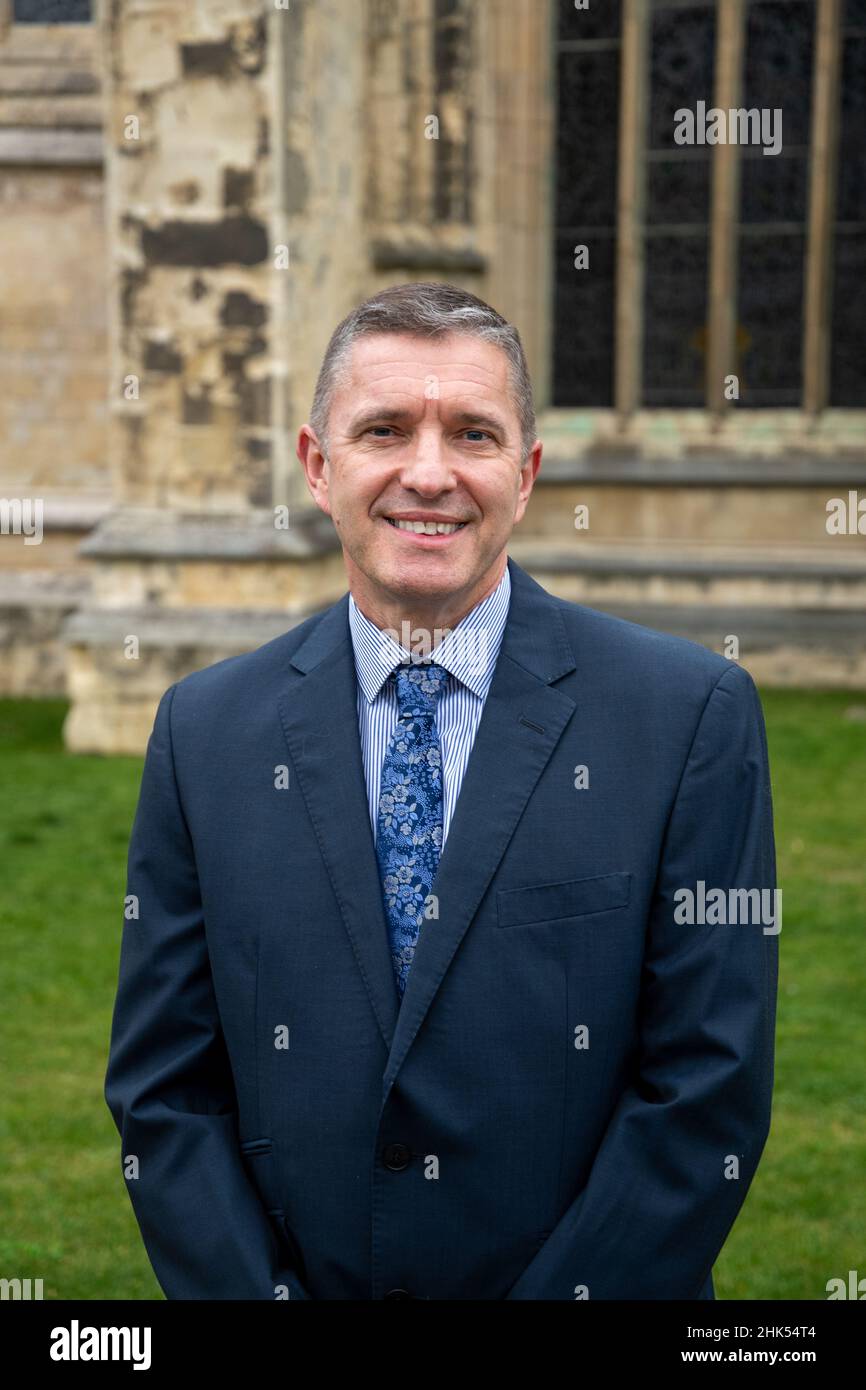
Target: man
(415,1006)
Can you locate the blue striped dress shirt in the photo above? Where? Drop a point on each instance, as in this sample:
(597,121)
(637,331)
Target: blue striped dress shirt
(468,653)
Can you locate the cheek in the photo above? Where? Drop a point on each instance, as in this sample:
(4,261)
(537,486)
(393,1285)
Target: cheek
(355,491)
(498,504)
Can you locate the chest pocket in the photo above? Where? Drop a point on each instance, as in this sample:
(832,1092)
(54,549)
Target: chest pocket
(575,897)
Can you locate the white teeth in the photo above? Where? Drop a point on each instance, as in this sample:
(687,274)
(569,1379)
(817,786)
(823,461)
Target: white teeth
(428,528)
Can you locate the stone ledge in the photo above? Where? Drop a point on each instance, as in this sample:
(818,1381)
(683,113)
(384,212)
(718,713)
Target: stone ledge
(758,628)
(145,533)
(65,513)
(386,255)
(700,470)
(45,80)
(63,45)
(419,248)
(33,608)
(611,561)
(765,626)
(27,145)
(43,589)
(230,630)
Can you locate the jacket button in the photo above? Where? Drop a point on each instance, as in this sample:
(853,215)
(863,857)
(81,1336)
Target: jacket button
(396,1157)
(398,1293)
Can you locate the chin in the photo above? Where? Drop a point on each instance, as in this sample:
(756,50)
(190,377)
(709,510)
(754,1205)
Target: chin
(419,576)
(420,580)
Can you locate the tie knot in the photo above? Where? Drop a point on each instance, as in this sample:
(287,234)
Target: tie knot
(419,686)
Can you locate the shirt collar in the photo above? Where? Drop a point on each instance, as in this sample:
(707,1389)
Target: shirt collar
(469,650)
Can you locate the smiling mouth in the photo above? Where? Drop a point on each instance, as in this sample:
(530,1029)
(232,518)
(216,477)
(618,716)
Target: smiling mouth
(427,528)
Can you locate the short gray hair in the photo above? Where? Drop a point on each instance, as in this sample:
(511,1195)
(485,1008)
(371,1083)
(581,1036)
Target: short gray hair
(424,309)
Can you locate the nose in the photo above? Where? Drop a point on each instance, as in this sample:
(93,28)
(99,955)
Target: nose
(425,468)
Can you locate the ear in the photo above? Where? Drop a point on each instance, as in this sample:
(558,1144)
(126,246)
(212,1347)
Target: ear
(315,466)
(528,474)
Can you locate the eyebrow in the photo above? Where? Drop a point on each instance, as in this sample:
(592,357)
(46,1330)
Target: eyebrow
(470,419)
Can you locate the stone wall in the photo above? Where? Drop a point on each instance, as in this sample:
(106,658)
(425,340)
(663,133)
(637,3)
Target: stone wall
(53,305)
(194,196)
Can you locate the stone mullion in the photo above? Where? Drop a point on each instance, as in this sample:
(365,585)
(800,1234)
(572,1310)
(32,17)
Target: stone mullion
(631,193)
(724,210)
(823,160)
(454,62)
(514,162)
(286,485)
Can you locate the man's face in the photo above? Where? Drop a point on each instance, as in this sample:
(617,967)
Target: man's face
(422,430)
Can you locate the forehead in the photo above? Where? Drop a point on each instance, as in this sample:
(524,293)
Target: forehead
(400,361)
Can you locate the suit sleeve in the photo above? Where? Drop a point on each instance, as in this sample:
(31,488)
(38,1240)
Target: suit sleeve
(168,1084)
(684,1141)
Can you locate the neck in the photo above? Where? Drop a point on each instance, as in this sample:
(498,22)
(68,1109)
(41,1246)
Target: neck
(428,621)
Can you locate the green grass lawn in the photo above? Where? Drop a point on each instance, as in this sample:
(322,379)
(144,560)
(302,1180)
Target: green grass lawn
(64,828)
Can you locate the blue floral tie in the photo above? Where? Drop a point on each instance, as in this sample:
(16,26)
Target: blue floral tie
(409,819)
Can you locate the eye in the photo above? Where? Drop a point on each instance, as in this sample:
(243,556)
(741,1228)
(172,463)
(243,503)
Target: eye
(383,431)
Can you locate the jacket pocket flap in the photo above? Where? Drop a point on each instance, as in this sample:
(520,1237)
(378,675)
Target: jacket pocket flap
(256,1146)
(260,1163)
(573,898)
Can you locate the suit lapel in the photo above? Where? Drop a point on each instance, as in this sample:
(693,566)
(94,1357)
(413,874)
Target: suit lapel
(522,722)
(319,715)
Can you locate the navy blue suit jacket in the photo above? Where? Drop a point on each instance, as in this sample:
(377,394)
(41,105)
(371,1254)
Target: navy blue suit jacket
(557,1108)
